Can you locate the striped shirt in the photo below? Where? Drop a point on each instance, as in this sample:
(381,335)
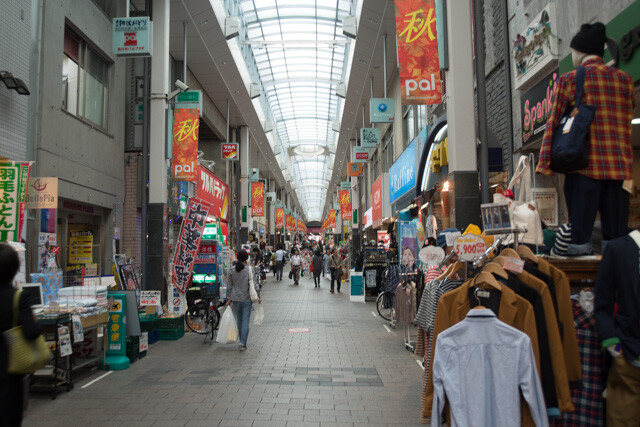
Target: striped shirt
(563,238)
(611,91)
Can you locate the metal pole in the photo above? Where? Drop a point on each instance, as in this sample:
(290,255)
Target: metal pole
(184,62)
(507,85)
(127,3)
(372,86)
(384,63)
(478,17)
(145,157)
(238,183)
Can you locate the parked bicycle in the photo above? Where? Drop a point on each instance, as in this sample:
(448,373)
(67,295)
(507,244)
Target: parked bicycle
(202,315)
(385,304)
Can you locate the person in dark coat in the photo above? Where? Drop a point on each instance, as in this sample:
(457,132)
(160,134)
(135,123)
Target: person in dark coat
(11,386)
(318,264)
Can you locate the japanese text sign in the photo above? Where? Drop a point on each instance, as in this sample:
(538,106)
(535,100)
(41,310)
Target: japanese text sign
(230,151)
(150,298)
(185,144)
(370,137)
(188,242)
(14,178)
(117,333)
(469,246)
(418,52)
(213,191)
(279,218)
(361,155)
(132,36)
(345,204)
(331,219)
(257,198)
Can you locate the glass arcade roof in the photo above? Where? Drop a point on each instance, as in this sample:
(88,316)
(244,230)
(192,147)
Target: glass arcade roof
(301,56)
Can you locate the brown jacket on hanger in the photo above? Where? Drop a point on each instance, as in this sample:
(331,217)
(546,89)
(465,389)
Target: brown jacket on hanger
(565,316)
(560,379)
(453,308)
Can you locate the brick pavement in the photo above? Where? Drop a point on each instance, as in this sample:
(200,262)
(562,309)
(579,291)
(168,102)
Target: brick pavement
(348,370)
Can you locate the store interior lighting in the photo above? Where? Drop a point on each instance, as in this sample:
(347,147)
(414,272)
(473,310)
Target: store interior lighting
(635,121)
(13,83)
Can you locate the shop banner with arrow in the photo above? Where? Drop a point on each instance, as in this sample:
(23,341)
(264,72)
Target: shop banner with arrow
(189,241)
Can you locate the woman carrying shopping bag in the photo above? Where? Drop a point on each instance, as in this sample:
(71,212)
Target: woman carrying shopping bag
(242,292)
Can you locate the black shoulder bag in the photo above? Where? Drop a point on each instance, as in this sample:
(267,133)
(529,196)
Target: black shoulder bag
(570,142)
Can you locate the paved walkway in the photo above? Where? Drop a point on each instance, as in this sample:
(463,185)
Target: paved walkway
(348,370)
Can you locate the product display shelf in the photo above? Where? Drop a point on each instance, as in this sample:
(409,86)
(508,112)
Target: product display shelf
(78,362)
(58,374)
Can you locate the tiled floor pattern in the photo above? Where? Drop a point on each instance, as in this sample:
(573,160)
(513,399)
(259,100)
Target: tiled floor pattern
(348,370)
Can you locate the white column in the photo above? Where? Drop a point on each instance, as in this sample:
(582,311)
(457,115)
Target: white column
(159,86)
(460,90)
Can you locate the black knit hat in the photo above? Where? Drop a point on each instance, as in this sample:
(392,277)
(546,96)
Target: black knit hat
(590,39)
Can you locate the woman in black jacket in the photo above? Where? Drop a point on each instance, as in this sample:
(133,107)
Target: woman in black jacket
(11,386)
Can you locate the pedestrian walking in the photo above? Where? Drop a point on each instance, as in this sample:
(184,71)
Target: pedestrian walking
(279,262)
(325,259)
(318,264)
(240,296)
(335,267)
(600,187)
(11,385)
(296,266)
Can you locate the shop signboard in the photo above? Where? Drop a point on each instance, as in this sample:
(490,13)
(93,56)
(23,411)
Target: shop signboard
(361,155)
(206,254)
(257,198)
(189,99)
(132,36)
(188,242)
(402,174)
(80,247)
(117,335)
(344,199)
(368,218)
(535,47)
(279,218)
(150,298)
(14,180)
(212,190)
(376,191)
(418,60)
(345,185)
(535,107)
(185,144)
(382,110)
(370,137)
(42,193)
(354,169)
(385,238)
(469,246)
(230,151)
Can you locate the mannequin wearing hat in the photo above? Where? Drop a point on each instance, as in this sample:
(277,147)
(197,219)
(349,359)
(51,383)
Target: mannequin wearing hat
(599,187)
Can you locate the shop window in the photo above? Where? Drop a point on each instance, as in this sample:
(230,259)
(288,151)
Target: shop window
(409,124)
(421,116)
(84,80)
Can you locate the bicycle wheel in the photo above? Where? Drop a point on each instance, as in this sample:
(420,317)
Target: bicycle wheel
(196,318)
(384,305)
(214,322)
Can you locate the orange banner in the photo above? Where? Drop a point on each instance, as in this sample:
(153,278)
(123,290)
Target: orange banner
(279,218)
(355,169)
(185,144)
(257,199)
(418,52)
(331,219)
(288,223)
(344,200)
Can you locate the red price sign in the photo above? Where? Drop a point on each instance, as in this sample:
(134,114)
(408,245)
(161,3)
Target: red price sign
(469,246)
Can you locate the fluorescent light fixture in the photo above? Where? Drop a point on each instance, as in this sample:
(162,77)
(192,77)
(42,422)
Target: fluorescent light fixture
(635,121)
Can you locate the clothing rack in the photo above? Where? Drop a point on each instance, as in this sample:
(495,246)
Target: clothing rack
(446,259)
(478,261)
(409,341)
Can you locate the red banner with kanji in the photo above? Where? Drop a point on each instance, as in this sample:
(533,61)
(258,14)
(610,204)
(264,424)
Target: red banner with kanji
(344,200)
(331,219)
(418,52)
(288,223)
(189,241)
(185,144)
(257,199)
(279,218)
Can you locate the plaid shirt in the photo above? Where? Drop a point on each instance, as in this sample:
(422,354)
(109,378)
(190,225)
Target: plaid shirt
(611,92)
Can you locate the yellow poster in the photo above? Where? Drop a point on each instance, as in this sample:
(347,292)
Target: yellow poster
(81,247)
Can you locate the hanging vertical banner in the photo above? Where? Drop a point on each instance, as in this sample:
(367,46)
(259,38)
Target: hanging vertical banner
(185,144)
(257,198)
(14,178)
(279,218)
(345,204)
(418,52)
(331,219)
(188,242)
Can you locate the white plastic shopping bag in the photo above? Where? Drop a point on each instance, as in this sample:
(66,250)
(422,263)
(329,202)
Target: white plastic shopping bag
(258,316)
(228,331)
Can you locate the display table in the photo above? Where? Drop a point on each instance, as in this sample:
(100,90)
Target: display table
(582,272)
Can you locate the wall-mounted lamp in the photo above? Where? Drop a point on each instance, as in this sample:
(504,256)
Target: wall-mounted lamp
(13,83)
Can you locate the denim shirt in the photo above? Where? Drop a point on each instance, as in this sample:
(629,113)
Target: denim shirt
(480,366)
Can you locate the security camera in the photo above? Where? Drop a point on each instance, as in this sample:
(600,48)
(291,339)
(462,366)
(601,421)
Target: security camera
(181,85)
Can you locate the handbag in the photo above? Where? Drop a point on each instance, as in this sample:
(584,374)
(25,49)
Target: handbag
(252,288)
(290,274)
(24,356)
(570,142)
(312,268)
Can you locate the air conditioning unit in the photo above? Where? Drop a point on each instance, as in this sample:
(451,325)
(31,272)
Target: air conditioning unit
(231,27)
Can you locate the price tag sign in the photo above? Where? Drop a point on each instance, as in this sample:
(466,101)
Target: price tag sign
(469,246)
(431,255)
(513,264)
(150,298)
